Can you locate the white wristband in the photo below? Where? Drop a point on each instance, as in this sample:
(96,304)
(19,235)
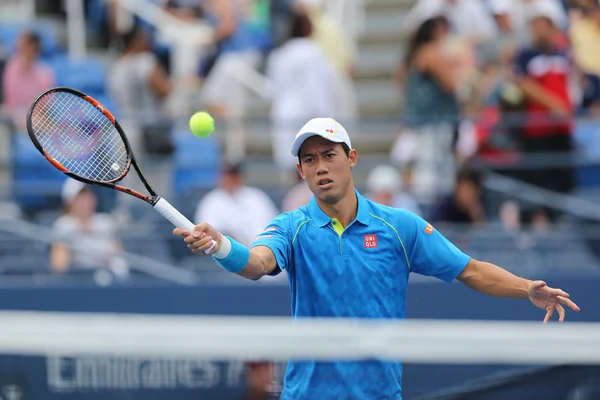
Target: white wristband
(225,248)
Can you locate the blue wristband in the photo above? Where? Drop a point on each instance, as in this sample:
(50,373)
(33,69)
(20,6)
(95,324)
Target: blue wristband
(237,258)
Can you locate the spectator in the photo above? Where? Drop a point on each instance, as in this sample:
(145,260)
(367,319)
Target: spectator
(85,238)
(542,73)
(431,111)
(299,195)
(24,77)
(468,18)
(511,22)
(259,378)
(384,185)
(465,205)
(226,207)
(139,86)
(241,36)
(303,89)
(585,39)
(186,10)
(337,48)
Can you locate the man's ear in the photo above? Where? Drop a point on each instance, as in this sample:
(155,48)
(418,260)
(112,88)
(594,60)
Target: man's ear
(353,158)
(299,167)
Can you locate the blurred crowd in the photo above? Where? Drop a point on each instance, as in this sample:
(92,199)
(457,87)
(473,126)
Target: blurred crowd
(481,80)
(499,80)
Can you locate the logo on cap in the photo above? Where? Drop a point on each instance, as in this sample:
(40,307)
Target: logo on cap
(329,130)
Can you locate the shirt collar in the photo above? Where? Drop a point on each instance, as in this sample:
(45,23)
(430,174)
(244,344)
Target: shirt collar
(322,219)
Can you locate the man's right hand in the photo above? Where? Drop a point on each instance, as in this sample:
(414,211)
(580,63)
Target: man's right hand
(200,238)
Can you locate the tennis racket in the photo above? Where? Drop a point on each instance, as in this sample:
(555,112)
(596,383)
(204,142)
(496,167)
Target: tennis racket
(81,138)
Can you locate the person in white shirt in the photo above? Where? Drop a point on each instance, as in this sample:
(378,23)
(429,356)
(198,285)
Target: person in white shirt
(85,239)
(237,210)
(385,186)
(303,84)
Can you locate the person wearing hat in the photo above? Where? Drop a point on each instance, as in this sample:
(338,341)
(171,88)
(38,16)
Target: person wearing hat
(542,73)
(349,257)
(385,186)
(227,205)
(85,238)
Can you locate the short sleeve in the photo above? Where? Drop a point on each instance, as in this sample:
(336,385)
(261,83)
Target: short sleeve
(431,254)
(65,229)
(277,237)
(145,64)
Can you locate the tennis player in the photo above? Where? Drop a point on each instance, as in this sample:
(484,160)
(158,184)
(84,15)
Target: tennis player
(346,256)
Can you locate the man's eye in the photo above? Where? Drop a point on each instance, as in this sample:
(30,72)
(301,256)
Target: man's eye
(330,155)
(308,160)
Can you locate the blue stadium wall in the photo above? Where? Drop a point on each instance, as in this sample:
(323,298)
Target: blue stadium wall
(64,377)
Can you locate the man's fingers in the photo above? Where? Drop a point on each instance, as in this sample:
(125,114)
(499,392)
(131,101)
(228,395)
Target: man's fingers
(180,232)
(200,244)
(561,313)
(548,315)
(195,236)
(569,303)
(560,292)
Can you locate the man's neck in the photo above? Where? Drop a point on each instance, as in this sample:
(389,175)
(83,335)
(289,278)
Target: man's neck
(344,210)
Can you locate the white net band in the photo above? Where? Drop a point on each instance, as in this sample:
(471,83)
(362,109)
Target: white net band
(281,339)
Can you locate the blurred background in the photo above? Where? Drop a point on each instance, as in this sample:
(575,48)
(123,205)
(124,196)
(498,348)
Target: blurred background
(482,116)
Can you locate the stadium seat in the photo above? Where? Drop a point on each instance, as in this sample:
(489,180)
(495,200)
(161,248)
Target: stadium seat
(197,161)
(151,246)
(47,217)
(36,184)
(586,135)
(87,75)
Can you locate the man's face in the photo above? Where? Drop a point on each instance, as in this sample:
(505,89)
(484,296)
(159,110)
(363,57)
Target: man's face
(231,181)
(326,168)
(542,30)
(27,48)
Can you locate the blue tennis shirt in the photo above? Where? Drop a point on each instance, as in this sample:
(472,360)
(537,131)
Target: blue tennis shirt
(357,272)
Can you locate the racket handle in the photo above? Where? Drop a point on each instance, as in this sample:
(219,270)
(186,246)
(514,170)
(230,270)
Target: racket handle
(176,218)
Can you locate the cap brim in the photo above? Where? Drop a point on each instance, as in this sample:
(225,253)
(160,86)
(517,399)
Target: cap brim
(300,139)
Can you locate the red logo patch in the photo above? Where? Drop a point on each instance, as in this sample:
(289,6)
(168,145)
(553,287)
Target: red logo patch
(370,241)
(429,229)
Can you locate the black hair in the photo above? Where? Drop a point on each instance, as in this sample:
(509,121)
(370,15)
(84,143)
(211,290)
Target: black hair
(232,168)
(33,38)
(469,175)
(129,37)
(301,26)
(344,146)
(425,34)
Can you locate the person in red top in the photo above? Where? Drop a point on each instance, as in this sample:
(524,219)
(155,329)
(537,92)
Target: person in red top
(542,72)
(24,77)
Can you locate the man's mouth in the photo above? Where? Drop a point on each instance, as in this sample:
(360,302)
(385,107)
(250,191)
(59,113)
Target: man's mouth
(324,182)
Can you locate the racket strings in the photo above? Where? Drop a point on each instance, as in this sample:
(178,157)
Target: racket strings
(79,136)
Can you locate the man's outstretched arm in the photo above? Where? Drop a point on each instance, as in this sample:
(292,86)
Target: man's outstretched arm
(235,257)
(494,281)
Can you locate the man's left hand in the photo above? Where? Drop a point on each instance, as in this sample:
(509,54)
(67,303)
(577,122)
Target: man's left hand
(550,299)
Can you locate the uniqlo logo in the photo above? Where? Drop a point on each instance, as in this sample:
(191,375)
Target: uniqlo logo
(329,130)
(370,241)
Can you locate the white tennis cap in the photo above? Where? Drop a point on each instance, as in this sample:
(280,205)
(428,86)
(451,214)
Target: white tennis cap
(549,9)
(71,188)
(327,128)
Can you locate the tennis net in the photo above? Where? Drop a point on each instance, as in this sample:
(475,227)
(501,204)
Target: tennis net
(88,356)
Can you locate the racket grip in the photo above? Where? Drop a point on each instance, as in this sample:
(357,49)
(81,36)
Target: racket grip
(177,218)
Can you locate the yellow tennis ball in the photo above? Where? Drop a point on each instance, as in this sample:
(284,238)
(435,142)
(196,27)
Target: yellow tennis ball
(202,124)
